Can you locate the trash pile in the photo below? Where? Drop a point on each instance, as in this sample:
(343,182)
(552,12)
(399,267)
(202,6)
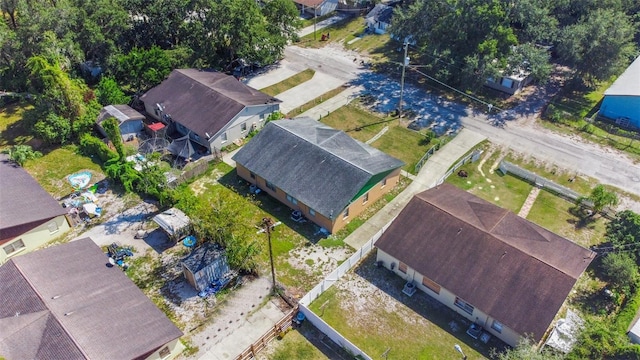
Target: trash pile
(82,203)
(117,254)
(218,285)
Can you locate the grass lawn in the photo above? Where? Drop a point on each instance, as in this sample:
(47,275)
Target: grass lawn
(368,308)
(375,46)
(52,169)
(12,129)
(398,141)
(554,213)
(289,83)
(295,346)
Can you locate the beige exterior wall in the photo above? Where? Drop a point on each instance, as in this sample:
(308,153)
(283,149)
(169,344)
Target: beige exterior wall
(174,348)
(340,221)
(36,237)
(448,298)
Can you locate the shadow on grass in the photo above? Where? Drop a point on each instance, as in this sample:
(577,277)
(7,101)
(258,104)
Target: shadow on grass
(277,210)
(321,342)
(581,220)
(427,307)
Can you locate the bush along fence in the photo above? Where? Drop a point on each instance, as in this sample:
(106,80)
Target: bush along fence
(544,183)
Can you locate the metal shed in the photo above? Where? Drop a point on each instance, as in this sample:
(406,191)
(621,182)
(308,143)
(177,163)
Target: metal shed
(205,265)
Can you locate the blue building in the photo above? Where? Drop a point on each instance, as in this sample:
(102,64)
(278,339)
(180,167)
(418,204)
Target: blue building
(622,99)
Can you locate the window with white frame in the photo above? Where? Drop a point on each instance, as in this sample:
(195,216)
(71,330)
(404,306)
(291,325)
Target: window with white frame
(497,326)
(223,137)
(345,214)
(292,200)
(243,127)
(468,308)
(365,198)
(384,182)
(53,227)
(13,247)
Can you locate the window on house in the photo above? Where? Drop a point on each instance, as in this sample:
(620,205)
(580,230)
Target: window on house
(402,267)
(431,285)
(253,176)
(292,200)
(53,227)
(13,247)
(384,182)
(270,185)
(496,326)
(261,117)
(345,214)
(243,127)
(224,137)
(164,352)
(312,212)
(468,308)
(365,198)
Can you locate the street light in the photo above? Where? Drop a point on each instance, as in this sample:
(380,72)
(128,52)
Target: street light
(459,349)
(268,224)
(405,62)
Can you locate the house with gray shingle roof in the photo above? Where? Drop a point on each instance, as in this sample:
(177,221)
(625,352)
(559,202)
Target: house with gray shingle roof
(212,108)
(501,271)
(320,171)
(65,302)
(29,216)
(621,101)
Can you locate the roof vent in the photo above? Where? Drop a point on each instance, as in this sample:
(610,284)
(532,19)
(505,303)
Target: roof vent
(55,297)
(69,313)
(17,314)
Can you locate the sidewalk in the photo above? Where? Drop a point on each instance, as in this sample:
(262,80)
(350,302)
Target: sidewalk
(427,178)
(333,103)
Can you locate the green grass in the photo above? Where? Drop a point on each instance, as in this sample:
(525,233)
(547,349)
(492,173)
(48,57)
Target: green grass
(289,82)
(411,328)
(558,215)
(315,102)
(375,46)
(295,346)
(12,129)
(53,167)
(398,141)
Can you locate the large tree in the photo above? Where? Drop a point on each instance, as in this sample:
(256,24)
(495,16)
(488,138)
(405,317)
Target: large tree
(599,46)
(624,231)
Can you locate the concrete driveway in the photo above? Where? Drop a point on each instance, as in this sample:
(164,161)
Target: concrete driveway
(307,91)
(275,74)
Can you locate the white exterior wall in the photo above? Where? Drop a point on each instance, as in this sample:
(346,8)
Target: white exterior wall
(448,298)
(251,116)
(36,237)
(175,348)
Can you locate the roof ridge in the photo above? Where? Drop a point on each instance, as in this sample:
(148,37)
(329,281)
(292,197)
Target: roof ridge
(499,238)
(46,304)
(325,150)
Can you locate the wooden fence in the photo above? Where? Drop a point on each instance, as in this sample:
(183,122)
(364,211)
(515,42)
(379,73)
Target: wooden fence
(279,328)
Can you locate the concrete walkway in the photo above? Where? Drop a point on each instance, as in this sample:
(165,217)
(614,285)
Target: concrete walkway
(299,95)
(427,178)
(333,103)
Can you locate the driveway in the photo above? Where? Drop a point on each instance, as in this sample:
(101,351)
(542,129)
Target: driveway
(275,74)
(299,95)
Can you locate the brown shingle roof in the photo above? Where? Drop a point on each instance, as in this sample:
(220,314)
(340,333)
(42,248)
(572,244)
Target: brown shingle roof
(511,269)
(204,101)
(311,3)
(24,204)
(63,302)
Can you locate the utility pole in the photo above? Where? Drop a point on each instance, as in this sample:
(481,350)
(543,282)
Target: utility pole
(314,21)
(268,224)
(405,62)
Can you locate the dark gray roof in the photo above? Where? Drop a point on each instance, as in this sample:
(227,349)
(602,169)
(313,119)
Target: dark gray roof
(63,302)
(204,101)
(121,113)
(508,267)
(322,167)
(203,256)
(380,12)
(24,204)
(628,84)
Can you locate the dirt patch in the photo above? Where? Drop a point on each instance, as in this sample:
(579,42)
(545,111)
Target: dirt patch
(317,259)
(199,186)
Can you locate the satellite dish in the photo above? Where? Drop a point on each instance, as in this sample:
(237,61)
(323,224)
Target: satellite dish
(111,261)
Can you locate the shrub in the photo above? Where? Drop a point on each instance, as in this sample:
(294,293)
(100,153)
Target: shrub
(92,146)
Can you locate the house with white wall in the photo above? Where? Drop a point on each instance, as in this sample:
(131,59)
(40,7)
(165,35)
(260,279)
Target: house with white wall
(498,270)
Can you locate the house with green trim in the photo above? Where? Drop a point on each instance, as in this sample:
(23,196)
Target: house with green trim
(322,172)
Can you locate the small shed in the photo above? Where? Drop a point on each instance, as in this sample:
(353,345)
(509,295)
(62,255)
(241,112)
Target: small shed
(174,223)
(130,121)
(634,330)
(205,265)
